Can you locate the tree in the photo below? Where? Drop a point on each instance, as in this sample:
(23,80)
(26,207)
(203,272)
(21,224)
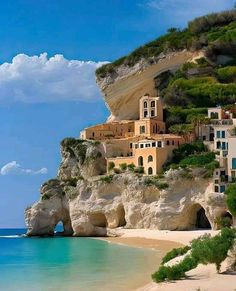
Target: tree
(184,130)
(197,120)
(231,198)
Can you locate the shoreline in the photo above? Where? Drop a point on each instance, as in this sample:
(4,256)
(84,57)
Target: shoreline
(204,277)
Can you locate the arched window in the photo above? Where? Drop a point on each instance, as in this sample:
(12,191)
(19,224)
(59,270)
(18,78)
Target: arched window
(145,104)
(153,104)
(150,159)
(150,171)
(140,161)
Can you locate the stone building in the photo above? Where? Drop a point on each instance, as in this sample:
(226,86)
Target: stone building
(141,142)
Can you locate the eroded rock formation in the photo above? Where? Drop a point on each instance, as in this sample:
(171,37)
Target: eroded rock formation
(123,88)
(94,205)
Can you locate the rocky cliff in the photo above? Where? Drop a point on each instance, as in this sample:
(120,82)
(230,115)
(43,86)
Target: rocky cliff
(94,204)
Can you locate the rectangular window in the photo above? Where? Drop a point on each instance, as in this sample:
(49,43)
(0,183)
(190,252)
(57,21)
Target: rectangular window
(159,144)
(148,145)
(142,129)
(223,134)
(234,163)
(222,188)
(130,145)
(216,188)
(173,142)
(223,145)
(136,146)
(167,142)
(218,134)
(152,113)
(153,144)
(218,145)
(216,181)
(141,146)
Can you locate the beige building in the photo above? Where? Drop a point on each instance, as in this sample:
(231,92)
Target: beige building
(140,142)
(150,117)
(109,130)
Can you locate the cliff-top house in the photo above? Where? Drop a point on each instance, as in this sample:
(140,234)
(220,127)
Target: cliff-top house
(142,143)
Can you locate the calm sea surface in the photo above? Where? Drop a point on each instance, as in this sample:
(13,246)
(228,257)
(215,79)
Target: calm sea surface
(71,264)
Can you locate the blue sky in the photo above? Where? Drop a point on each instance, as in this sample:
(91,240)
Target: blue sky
(44,98)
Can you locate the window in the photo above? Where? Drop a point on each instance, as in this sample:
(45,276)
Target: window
(173,142)
(222,188)
(150,159)
(152,113)
(145,113)
(140,161)
(223,145)
(130,145)
(93,134)
(168,142)
(141,146)
(153,144)
(216,188)
(145,104)
(234,163)
(218,134)
(223,134)
(217,181)
(214,115)
(153,104)
(148,145)
(136,145)
(142,129)
(159,144)
(218,145)
(150,171)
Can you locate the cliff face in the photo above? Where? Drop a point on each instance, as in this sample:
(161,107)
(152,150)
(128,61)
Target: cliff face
(123,87)
(98,204)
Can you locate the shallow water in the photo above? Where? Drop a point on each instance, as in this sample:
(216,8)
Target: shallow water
(72,264)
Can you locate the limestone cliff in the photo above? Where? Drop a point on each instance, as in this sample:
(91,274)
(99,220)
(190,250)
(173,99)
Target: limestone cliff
(123,87)
(97,204)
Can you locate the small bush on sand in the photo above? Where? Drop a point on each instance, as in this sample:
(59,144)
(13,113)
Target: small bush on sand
(176,252)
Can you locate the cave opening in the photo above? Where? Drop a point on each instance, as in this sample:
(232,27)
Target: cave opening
(98,219)
(202,221)
(228,219)
(121,213)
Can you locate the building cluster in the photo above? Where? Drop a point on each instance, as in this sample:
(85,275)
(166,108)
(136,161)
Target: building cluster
(220,136)
(142,143)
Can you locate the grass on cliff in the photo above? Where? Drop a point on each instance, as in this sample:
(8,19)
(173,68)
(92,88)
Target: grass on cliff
(208,31)
(193,155)
(204,250)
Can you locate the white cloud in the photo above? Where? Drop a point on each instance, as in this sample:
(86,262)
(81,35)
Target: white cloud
(39,79)
(15,168)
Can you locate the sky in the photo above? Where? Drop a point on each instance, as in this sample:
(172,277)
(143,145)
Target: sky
(49,51)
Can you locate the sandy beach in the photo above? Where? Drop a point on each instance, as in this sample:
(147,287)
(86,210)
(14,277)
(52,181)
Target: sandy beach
(203,278)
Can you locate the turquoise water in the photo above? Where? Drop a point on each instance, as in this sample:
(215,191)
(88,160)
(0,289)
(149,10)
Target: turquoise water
(71,264)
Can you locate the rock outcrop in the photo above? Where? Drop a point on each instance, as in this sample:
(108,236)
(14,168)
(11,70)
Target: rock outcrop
(88,204)
(123,88)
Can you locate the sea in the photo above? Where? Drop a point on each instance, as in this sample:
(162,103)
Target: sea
(71,263)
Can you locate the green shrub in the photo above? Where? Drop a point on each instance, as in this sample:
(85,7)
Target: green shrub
(213,250)
(231,198)
(139,170)
(223,222)
(131,167)
(198,160)
(176,252)
(111,166)
(107,179)
(123,166)
(227,74)
(162,186)
(175,272)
